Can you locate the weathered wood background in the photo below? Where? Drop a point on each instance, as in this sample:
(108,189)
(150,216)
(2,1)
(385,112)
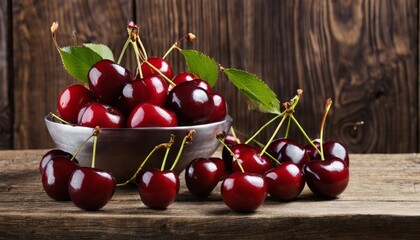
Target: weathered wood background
(362,54)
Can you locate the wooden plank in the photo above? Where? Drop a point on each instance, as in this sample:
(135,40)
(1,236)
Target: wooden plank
(5,84)
(382,201)
(362,54)
(38,73)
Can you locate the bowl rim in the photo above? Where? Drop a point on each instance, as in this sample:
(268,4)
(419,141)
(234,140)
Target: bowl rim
(228,118)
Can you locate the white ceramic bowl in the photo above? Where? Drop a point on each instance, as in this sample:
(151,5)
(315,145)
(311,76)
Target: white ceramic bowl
(122,150)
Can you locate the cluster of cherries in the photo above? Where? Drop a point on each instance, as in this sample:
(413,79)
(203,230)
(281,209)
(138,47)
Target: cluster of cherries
(248,175)
(115,99)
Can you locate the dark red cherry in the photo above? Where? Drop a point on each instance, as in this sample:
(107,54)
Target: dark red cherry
(285,182)
(244,192)
(52,154)
(202,176)
(328,178)
(236,149)
(336,149)
(107,79)
(277,144)
(149,115)
(202,84)
(91,188)
(159,63)
(220,163)
(133,93)
(182,77)
(294,153)
(158,189)
(311,151)
(56,177)
(71,100)
(250,159)
(105,116)
(192,104)
(229,140)
(220,109)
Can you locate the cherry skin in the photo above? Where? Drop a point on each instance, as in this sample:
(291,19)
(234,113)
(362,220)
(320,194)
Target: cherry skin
(327,178)
(52,154)
(277,144)
(202,84)
(182,77)
(159,63)
(71,100)
(221,167)
(192,104)
(220,109)
(91,188)
(250,159)
(229,140)
(107,79)
(311,151)
(336,149)
(158,189)
(56,177)
(148,115)
(285,182)
(294,153)
(244,192)
(202,176)
(105,116)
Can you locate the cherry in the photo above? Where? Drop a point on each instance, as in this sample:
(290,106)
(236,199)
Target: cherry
(327,178)
(285,182)
(250,159)
(159,63)
(105,116)
(148,115)
(192,104)
(229,140)
(56,177)
(91,188)
(52,154)
(158,189)
(202,175)
(220,109)
(221,167)
(244,192)
(107,79)
(202,84)
(71,100)
(277,144)
(294,153)
(336,149)
(182,77)
(311,151)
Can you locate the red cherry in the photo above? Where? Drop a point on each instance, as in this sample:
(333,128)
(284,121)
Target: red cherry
(202,176)
(148,115)
(277,144)
(158,189)
(202,84)
(105,116)
(336,149)
(159,63)
(294,153)
(220,109)
(192,104)
(56,177)
(133,94)
(52,154)
(311,151)
(229,140)
(244,192)
(71,100)
(285,182)
(327,178)
(107,79)
(182,77)
(250,159)
(90,188)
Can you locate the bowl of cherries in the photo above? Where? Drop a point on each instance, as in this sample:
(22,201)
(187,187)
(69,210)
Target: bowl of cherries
(135,113)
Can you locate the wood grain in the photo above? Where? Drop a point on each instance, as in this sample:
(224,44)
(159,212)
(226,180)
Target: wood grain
(5,76)
(39,76)
(362,54)
(382,201)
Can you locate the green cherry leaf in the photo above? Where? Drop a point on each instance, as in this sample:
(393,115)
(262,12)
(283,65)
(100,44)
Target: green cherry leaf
(103,50)
(78,61)
(260,96)
(201,65)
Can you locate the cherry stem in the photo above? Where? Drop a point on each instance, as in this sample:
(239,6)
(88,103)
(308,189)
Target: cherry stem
(273,135)
(220,136)
(95,141)
(137,53)
(142,47)
(123,50)
(324,117)
(306,135)
(262,128)
(160,73)
(232,130)
(187,140)
(286,135)
(190,37)
(52,115)
(174,46)
(168,148)
(54,28)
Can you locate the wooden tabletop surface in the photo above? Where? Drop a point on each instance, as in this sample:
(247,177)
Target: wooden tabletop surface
(381,201)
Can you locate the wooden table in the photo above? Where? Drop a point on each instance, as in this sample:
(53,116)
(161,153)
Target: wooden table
(381,201)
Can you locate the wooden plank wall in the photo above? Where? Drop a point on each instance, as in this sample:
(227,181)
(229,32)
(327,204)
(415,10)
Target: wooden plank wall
(362,54)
